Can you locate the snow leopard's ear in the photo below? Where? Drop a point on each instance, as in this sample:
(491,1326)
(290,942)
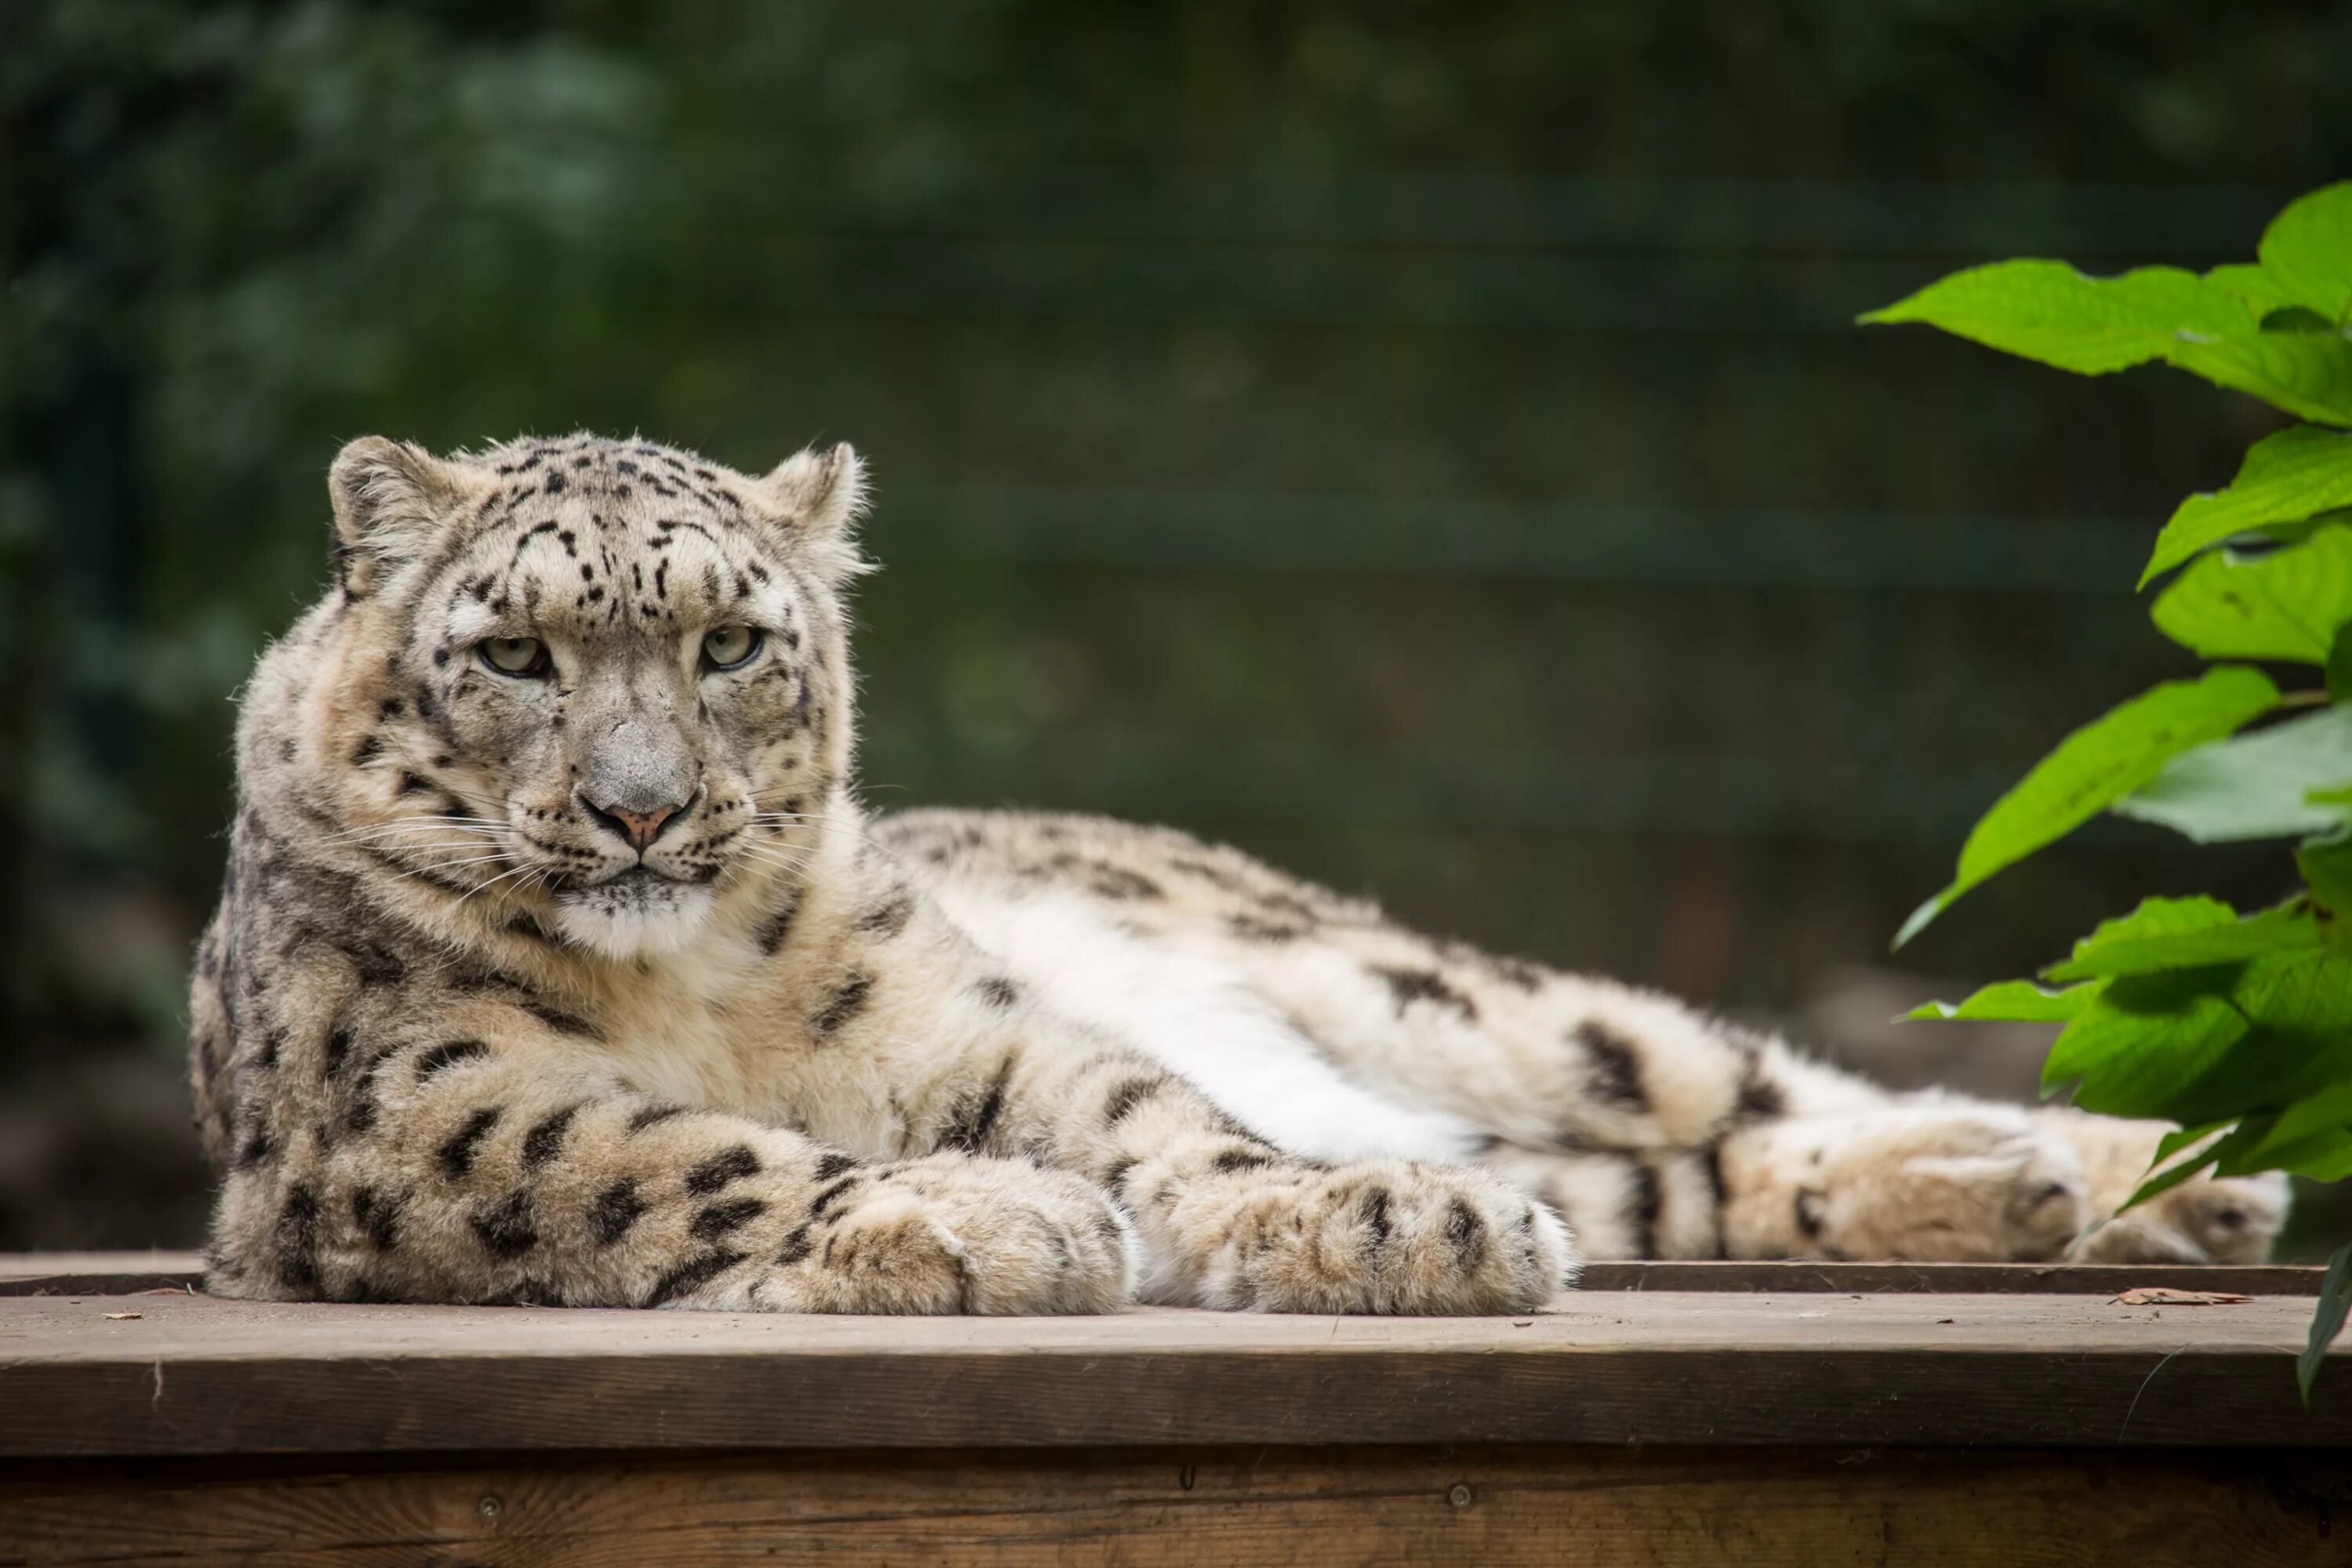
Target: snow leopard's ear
(391,499)
(818,497)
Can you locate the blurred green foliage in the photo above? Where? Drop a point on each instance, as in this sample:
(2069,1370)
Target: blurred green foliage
(1423,443)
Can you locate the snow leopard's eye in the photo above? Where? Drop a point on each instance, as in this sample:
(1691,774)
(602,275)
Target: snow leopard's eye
(729,645)
(515,656)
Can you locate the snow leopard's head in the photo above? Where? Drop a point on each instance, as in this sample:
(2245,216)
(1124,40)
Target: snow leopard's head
(600,680)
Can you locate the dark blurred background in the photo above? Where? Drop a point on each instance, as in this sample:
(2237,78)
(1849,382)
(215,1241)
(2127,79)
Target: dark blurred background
(1424,444)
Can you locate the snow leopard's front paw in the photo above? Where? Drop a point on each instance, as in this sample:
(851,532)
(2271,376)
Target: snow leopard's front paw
(1927,1181)
(1385,1237)
(953,1234)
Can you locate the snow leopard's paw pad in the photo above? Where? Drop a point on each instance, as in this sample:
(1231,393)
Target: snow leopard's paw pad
(952,1234)
(1921,1182)
(1387,1238)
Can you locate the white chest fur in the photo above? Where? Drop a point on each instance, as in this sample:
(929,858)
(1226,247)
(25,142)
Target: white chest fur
(675,1032)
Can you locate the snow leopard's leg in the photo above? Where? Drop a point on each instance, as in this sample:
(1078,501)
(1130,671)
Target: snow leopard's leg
(1658,1203)
(1229,1221)
(1850,1171)
(1224,1217)
(1806,1161)
(1923,1178)
(1918,1177)
(1591,1090)
(402,1131)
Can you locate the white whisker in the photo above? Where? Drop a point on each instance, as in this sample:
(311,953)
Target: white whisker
(493,881)
(378,835)
(423,821)
(777,821)
(461,864)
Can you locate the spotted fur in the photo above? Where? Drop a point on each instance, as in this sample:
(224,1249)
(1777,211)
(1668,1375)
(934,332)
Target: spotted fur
(590,981)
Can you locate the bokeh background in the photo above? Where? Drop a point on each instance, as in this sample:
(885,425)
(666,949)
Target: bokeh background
(1423,443)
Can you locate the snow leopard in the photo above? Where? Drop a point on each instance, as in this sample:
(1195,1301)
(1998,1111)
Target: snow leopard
(558,961)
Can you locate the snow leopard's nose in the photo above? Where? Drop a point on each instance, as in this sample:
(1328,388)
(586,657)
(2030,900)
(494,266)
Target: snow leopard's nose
(639,828)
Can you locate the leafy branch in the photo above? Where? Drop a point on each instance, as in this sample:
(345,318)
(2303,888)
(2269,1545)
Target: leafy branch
(2236,1026)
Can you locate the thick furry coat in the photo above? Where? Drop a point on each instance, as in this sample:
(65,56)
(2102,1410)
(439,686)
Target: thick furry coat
(557,960)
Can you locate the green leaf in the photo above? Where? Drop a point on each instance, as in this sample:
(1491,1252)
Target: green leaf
(2163,1180)
(2285,477)
(2281,604)
(2262,292)
(2253,786)
(2327,1157)
(2158,917)
(2311,1137)
(2308,374)
(2180,1138)
(2339,666)
(2105,760)
(2326,1319)
(2018,1001)
(2184,933)
(2306,994)
(2047,310)
(2246,1132)
(2141,1046)
(2307,252)
(2213,1045)
(2296,319)
(2297,1008)
(2326,867)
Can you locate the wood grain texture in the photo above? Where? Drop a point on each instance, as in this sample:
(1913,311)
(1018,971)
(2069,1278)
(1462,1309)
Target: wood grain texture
(192,1376)
(1226,1508)
(1951,1278)
(120,1273)
(113,1273)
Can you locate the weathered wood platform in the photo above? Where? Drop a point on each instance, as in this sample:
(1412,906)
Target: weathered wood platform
(1666,1414)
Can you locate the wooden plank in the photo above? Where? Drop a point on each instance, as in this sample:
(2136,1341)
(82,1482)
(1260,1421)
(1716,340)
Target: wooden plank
(97,1273)
(122,1273)
(1953,1279)
(194,1375)
(1227,1507)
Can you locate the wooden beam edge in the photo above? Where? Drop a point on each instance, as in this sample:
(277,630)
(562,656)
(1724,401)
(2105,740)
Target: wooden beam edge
(2214,1399)
(122,1274)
